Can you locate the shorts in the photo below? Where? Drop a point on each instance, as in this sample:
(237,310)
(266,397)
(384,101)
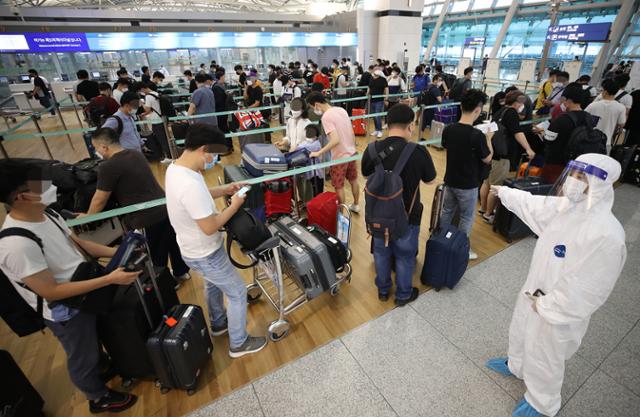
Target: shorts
(342,171)
(499,172)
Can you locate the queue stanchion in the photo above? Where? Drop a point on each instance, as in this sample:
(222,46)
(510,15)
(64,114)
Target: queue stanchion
(420,117)
(35,118)
(75,109)
(64,124)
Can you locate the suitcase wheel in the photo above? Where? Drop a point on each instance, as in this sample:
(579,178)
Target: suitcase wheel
(254,292)
(191,392)
(278,330)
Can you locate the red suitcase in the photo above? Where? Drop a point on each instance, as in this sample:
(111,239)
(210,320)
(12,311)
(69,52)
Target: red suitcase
(277,197)
(323,211)
(359,125)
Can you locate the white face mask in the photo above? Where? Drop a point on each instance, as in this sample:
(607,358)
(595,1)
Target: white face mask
(573,189)
(521,109)
(50,196)
(296,113)
(214,159)
(585,87)
(563,107)
(249,82)
(133,112)
(317,112)
(98,155)
(557,85)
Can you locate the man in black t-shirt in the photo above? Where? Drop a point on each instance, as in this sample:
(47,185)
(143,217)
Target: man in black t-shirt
(125,176)
(86,89)
(418,168)
(378,91)
(146,75)
(429,97)
(556,137)
(509,118)
(193,86)
(468,149)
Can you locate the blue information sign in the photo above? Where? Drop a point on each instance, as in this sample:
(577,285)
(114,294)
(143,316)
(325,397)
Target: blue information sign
(586,32)
(43,42)
(473,42)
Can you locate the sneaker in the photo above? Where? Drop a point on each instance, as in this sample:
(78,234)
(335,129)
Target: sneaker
(383,297)
(113,402)
(354,208)
(384,126)
(379,134)
(472,255)
(251,345)
(488,219)
(166,161)
(414,295)
(220,330)
(375,133)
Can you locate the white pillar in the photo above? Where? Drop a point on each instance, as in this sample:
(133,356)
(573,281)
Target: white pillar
(398,25)
(617,30)
(505,26)
(436,30)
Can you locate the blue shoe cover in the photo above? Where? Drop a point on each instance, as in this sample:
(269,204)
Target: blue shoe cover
(499,365)
(524,409)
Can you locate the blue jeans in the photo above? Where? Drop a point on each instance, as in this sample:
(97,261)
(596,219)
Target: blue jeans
(377,107)
(463,200)
(404,251)
(221,277)
(45,101)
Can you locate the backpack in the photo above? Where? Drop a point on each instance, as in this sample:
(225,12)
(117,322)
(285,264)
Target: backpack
(500,141)
(386,216)
(166,105)
(619,96)
(120,123)
(97,114)
(14,309)
(455,93)
(585,139)
(449,80)
(248,230)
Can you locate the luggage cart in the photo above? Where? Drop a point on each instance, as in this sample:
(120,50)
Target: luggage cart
(273,277)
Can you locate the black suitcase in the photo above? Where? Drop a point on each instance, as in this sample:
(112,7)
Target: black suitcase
(507,223)
(18,398)
(337,250)
(124,330)
(236,173)
(180,347)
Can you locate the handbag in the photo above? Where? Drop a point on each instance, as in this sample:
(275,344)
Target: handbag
(249,119)
(499,139)
(297,158)
(96,301)
(248,230)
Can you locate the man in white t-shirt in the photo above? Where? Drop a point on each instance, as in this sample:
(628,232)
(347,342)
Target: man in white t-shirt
(621,96)
(610,113)
(41,274)
(197,222)
(153,113)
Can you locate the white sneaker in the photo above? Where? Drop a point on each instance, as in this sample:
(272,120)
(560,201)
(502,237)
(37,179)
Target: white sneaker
(354,208)
(166,161)
(379,134)
(374,133)
(385,126)
(472,255)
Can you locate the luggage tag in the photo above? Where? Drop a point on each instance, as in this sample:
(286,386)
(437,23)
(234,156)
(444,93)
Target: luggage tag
(170,321)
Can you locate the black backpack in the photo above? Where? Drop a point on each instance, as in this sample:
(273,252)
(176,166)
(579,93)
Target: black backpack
(97,114)
(455,93)
(386,216)
(166,105)
(584,138)
(14,310)
(500,140)
(248,230)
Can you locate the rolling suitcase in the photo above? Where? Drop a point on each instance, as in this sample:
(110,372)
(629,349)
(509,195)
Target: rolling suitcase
(236,173)
(263,158)
(625,155)
(508,224)
(446,258)
(307,255)
(323,211)
(359,125)
(277,197)
(337,250)
(124,330)
(253,138)
(180,347)
(18,398)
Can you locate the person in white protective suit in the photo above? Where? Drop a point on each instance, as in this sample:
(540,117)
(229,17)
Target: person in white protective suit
(576,262)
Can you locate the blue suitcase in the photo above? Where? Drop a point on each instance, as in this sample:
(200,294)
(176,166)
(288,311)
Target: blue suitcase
(263,158)
(446,258)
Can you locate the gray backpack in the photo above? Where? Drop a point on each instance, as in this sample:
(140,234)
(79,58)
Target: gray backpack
(385,214)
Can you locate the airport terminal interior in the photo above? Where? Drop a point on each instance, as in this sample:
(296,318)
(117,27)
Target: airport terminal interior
(267,208)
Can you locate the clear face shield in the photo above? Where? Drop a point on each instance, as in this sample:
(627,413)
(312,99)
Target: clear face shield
(579,184)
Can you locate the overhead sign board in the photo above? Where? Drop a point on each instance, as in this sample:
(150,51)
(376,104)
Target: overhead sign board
(586,32)
(43,42)
(122,41)
(474,41)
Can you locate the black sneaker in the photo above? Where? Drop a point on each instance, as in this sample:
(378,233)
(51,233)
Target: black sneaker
(414,294)
(220,330)
(113,402)
(383,297)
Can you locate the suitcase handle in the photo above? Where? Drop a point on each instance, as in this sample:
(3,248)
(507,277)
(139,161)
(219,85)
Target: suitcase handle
(154,282)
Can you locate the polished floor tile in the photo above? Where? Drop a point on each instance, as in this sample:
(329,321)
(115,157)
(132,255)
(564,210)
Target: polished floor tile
(326,382)
(242,402)
(420,373)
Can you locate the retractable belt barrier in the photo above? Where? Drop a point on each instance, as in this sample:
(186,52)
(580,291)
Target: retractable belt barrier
(271,177)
